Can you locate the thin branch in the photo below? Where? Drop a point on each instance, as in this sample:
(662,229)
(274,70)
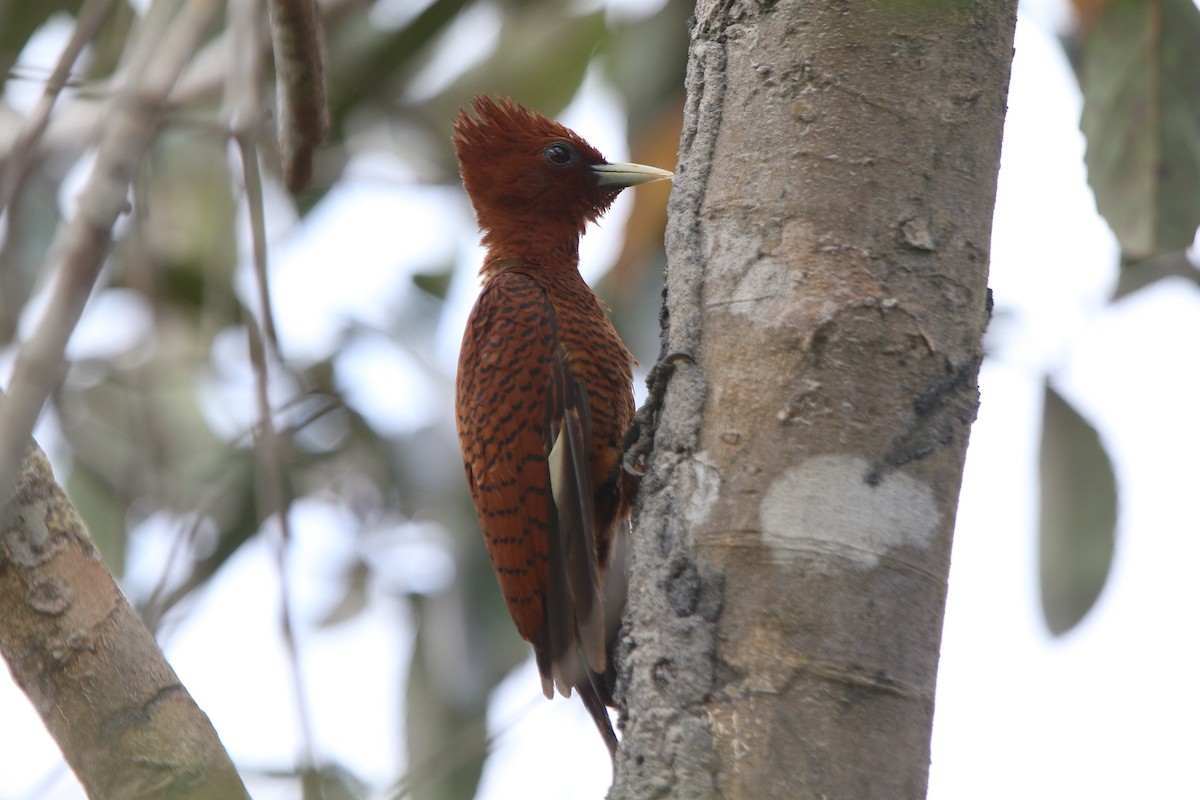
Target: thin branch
(20,157)
(273,494)
(163,598)
(243,108)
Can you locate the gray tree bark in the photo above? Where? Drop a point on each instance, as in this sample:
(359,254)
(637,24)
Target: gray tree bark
(828,254)
(75,646)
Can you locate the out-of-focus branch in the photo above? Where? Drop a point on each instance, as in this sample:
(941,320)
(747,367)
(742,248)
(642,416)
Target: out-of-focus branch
(303,113)
(21,158)
(163,47)
(125,723)
(202,80)
(243,108)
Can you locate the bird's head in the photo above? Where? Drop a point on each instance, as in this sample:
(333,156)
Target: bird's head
(530,177)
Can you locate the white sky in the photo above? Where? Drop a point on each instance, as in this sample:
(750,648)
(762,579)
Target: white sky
(1108,711)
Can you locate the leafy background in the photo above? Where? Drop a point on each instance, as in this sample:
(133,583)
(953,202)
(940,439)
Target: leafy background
(377,680)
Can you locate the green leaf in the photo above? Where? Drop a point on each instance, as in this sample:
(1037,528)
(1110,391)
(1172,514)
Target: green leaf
(435,284)
(111,41)
(367,63)
(33,219)
(1078,515)
(1140,77)
(103,510)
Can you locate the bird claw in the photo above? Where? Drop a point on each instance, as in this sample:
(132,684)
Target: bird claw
(667,363)
(639,438)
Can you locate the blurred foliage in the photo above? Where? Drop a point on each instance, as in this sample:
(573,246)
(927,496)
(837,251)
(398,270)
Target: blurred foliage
(1078,514)
(1138,66)
(1140,75)
(162,427)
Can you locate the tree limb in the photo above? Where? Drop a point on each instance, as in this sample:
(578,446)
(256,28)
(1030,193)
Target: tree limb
(102,686)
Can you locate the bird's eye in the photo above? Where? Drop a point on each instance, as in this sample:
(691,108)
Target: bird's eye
(560,154)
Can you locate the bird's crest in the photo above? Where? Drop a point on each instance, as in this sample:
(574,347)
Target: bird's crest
(503,128)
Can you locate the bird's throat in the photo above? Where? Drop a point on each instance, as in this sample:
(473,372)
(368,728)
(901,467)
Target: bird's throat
(539,248)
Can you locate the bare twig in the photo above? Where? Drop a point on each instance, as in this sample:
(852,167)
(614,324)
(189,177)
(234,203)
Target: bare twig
(243,108)
(164,597)
(273,494)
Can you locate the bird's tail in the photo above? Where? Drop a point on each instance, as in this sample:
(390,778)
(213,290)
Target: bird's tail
(597,707)
(569,672)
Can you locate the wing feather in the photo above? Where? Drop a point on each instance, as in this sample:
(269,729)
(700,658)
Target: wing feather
(571,485)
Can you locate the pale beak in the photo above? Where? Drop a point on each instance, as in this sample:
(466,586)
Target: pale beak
(622,175)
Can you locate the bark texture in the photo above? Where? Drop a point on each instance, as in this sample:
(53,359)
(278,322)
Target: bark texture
(828,252)
(76,647)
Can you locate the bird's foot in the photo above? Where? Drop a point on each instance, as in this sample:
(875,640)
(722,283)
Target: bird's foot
(639,438)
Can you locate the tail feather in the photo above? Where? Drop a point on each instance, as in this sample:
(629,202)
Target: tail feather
(598,708)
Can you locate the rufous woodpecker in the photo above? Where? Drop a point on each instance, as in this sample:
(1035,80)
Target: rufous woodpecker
(545,393)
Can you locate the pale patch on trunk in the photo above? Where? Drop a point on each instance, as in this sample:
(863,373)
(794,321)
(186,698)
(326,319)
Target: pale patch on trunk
(825,504)
(705,491)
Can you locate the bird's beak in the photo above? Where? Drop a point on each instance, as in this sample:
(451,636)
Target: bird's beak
(622,175)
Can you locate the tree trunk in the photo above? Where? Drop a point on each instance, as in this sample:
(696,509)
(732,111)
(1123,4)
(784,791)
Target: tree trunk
(828,251)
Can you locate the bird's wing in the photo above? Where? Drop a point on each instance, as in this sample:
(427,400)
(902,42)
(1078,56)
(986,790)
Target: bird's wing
(572,490)
(523,425)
